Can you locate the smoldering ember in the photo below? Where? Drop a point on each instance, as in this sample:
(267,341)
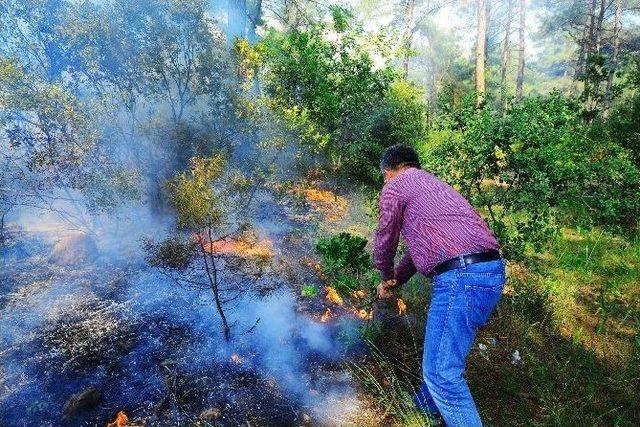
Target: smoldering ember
(201,202)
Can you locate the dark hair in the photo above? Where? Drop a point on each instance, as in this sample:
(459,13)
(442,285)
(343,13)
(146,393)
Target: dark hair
(399,155)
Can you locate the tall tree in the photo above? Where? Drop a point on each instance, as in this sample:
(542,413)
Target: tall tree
(31,31)
(614,58)
(53,154)
(598,30)
(592,25)
(595,74)
(506,48)
(582,53)
(481,40)
(521,30)
(408,34)
(180,40)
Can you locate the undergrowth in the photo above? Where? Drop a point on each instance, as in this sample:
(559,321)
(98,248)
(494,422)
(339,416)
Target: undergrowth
(391,384)
(573,316)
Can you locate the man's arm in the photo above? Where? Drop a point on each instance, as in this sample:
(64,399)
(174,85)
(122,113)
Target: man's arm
(388,232)
(405,270)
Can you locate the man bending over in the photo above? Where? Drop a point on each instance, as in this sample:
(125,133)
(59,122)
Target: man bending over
(447,240)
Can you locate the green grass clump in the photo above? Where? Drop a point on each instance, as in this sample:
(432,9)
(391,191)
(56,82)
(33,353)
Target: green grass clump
(391,387)
(309,291)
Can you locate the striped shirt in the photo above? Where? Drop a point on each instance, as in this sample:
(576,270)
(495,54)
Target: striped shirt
(435,221)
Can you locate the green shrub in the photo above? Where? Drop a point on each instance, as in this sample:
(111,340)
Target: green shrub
(309,291)
(622,125)
(533,167)
(345,262)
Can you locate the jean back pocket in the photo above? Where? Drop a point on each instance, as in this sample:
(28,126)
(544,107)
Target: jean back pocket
(482,292)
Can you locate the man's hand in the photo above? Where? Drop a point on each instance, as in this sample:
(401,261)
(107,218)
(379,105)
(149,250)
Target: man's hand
(385,288)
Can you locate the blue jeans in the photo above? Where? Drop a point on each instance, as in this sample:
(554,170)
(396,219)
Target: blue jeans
(462,301)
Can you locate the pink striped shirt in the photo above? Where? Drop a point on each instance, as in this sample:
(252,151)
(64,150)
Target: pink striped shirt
(435,221)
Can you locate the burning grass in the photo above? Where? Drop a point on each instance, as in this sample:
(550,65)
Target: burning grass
(332,206)
(402,307)
(260,249)
(362,313)
(333,297)
(325,203)
(345,306)
(120,337)
(121,420)
(326,316)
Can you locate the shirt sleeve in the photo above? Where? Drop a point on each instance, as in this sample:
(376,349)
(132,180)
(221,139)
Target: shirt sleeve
(405,269)
(388,232)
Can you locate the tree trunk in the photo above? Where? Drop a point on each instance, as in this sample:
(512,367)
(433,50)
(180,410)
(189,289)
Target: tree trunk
(487,26)
(481,39)
(408,34)
(252,37)
(521,30)
(598,35)
(505,51)
(212,275)
(592,26)
(592,92)
(614,59)
(582,53)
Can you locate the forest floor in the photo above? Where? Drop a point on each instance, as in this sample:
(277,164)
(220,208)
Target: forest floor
(89,329)
(563,348)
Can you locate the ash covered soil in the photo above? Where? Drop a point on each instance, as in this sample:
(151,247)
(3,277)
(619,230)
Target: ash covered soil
(85,334)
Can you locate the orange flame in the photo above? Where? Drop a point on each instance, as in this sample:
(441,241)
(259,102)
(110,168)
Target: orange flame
(359,294)
(402,307)
(239,248)
(328,203)
(326,316)
(362,313)
(121,420)
(236,359)
(332,296)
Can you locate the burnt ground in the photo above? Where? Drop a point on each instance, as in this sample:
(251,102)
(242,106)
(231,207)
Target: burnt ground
(81,342)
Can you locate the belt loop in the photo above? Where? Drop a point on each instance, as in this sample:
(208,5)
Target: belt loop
(461,258)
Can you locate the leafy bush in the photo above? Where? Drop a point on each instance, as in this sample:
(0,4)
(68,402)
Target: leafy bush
(623,125)
(192,196)
(193,256)
(174,253)
(532,167)
(345,262)
(609,194)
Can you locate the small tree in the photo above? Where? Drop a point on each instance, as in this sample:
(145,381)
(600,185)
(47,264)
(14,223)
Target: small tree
(343,108)
(205,252)
(345,262)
